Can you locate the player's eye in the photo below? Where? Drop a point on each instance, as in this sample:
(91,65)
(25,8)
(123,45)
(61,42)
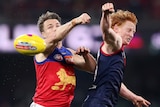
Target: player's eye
(49,27)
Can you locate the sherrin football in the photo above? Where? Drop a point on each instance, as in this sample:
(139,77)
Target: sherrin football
(29,44)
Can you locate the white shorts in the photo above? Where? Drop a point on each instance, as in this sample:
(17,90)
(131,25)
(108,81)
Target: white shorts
(35,105)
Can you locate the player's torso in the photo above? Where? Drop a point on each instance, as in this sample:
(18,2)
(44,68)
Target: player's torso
(110,66)
(108,77)
(55,79)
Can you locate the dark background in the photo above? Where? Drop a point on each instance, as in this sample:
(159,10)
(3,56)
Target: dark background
(142,76)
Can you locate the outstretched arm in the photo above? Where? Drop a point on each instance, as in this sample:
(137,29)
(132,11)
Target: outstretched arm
(138,101)
(63,30)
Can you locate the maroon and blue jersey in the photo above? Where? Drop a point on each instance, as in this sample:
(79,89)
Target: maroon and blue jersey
(108,77)
(55,79)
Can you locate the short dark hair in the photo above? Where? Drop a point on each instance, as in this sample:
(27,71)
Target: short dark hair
(46,16)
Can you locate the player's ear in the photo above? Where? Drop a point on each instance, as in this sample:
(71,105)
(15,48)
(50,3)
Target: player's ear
(43,34)
(116,28)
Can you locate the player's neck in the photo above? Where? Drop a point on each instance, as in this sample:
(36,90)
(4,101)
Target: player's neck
(59,45)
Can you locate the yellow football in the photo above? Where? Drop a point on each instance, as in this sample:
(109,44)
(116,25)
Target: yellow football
(29,44)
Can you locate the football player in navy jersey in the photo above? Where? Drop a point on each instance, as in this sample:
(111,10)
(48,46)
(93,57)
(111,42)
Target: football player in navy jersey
(54,67)
(118,29)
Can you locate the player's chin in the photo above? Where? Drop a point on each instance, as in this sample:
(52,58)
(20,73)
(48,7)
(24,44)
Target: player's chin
(127,43)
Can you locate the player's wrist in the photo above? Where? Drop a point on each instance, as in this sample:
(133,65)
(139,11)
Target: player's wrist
(75,21)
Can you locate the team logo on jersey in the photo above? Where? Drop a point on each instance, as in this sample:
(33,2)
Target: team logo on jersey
(58,57)
(66,80)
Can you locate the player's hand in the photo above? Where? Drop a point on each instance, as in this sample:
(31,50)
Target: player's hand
(108,7)
(82,50)
(82,19)
(85,18)
(141,102)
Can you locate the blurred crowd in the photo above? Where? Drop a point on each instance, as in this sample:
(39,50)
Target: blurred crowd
(27,11)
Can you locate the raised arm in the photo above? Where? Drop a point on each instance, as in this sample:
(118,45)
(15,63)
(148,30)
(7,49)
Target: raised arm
(63,30)
(109,34)
(105,22)
(138,101)
(54,32)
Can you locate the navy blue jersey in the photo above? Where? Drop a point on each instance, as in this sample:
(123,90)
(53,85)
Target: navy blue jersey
(107,80)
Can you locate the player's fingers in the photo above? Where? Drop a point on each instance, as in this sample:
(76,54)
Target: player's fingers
(87,50)
(111,5)
(85,18)
(104,7)
(108,7)
(82,49)
(146,103)
(143,103)
(137,104)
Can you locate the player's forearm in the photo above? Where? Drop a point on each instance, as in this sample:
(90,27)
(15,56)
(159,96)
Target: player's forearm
(90,63)
(126,93)
(105,22)
(86,63)
(63,30)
